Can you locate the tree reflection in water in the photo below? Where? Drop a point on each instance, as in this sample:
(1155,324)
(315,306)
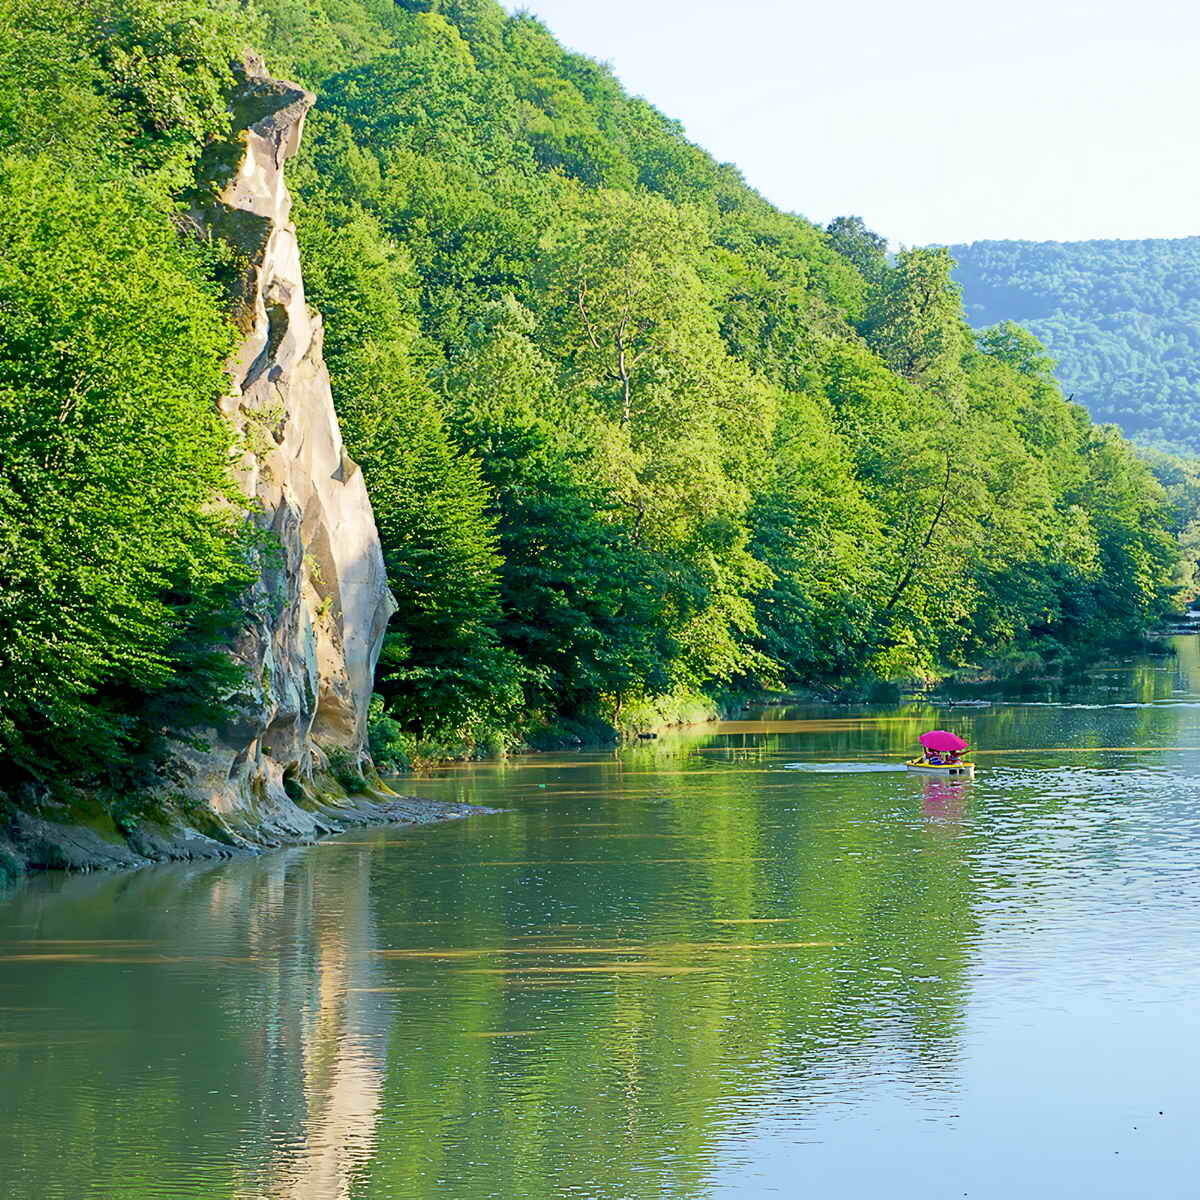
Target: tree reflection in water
(596,994)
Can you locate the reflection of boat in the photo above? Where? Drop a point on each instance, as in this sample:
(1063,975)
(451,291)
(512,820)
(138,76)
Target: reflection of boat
(959,770)
(944,801)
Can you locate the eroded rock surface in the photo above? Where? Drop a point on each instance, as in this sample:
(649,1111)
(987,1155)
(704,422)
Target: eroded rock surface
(322,603)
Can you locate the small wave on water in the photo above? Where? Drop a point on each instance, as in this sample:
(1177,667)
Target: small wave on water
(843,768)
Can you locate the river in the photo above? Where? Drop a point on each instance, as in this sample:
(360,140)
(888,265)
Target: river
(743,960)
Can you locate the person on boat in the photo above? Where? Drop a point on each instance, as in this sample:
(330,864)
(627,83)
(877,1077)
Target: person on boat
(943,750)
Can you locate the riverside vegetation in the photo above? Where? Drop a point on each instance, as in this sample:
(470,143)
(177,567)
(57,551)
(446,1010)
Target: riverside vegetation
(632,435)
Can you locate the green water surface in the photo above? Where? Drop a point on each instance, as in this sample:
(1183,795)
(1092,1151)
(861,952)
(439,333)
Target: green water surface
(748,960)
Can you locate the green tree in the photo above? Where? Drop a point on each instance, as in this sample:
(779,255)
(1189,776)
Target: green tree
(1016,347)
(120,574)
(672,421)
(583,607)
(916,322)
(867,250)
(443,671)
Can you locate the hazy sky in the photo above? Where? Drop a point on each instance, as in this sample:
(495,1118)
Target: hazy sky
(935,120)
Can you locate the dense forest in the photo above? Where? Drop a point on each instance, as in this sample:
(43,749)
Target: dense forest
(631,434)
(1121,319)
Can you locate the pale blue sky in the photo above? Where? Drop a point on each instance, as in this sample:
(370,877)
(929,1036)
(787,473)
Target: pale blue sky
(935,120)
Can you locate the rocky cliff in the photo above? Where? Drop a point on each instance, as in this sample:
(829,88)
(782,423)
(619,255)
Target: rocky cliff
(271,773)
(322,602)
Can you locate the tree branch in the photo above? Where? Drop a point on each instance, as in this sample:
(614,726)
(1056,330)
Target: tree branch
(909,571)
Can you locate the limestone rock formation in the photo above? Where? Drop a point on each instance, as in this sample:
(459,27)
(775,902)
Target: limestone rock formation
(322,603)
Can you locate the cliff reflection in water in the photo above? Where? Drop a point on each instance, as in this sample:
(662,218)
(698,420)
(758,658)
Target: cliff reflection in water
(191,1032)
(602,992)
(327,1032)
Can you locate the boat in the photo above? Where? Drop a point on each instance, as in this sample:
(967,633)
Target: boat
(942,741)
(958,770)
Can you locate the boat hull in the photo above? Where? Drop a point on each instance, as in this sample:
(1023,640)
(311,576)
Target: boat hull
(962,770)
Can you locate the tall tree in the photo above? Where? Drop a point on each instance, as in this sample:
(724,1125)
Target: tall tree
(120,572)
(867,250)
(916,322)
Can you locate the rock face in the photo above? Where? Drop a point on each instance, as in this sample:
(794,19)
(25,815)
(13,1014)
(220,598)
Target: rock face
(322,603)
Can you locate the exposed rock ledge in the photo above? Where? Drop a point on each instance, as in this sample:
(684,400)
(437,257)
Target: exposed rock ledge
(30,842)
(321,604)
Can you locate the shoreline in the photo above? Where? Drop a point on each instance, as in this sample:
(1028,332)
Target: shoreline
(31,844)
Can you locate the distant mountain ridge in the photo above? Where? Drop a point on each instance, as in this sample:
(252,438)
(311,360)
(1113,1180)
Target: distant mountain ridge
(1122,319)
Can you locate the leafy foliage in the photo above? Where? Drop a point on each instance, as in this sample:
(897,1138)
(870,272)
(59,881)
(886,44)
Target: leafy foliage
(1120,318)
(116,568)
(715,443)
(629,431)
(120,568)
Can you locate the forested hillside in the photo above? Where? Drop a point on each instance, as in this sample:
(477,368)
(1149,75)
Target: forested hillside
(1121,319)
(680,438)
(120,576)
(629,431)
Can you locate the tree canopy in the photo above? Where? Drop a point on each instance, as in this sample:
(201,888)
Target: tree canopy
(718,445)
(120,569)
(1121,319)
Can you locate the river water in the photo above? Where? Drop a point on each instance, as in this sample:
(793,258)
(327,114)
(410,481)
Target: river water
(747,960)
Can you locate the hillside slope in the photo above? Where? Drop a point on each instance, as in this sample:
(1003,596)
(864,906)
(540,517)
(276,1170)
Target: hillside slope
(1122,319)
(688,440)
(193,590)
(628,432)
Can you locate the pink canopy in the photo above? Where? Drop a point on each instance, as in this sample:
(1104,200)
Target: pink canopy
(941,739)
